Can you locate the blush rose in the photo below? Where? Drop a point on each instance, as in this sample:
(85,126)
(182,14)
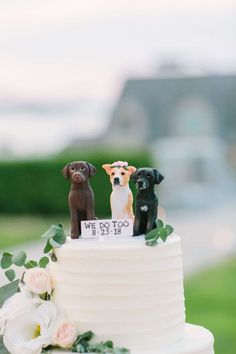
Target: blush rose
(38,281)
(65,335)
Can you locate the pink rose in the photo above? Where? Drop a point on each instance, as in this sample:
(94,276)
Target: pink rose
(65,335)
(38,280)
(120,163)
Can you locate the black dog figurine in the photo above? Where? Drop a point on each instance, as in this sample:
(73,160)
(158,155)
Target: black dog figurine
(81,197)
(146,200)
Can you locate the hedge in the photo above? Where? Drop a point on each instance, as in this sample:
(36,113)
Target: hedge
(38,187)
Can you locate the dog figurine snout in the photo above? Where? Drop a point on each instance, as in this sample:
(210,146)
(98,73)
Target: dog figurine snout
(77,177)
(116,181)
(141,184)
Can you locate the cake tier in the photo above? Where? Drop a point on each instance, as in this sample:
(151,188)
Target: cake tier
(197,340)
(123,290)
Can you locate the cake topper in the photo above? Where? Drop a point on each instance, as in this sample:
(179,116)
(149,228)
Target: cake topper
(146,200)
(121,197)
(81,197)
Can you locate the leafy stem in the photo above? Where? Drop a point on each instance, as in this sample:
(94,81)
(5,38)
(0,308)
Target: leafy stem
(55,237)
(83,345)
(160,232)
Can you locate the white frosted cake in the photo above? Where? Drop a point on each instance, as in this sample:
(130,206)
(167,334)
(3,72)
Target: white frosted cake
(128,292)
(104,290)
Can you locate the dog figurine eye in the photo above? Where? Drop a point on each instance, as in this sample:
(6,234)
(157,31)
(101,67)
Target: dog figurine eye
(123,173)
(72,168)
(82,168)
(113,173)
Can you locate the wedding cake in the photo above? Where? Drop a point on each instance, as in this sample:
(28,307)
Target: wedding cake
(129,293)
(114,286)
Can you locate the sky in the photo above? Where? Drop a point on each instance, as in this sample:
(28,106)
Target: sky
(85,50)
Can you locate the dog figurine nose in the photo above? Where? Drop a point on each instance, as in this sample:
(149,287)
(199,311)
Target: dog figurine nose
(116,180)
(139,182)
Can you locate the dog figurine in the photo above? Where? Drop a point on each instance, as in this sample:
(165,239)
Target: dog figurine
(81,197)
(146,200)
(121,199)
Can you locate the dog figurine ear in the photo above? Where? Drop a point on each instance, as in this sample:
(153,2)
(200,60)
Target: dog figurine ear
(158,177)
(65,171)
(92,169)
(134,176)
(131,169)
(107,168)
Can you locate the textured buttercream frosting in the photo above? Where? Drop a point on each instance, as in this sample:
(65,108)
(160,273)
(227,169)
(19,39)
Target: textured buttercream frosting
(123,290)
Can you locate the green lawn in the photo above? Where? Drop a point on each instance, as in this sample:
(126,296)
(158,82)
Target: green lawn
(211,302)
(17,229)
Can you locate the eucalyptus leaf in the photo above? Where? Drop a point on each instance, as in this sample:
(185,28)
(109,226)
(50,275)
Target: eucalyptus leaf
(80,348)
(152,235)
(160,224)
(53,243)
(7,291)
(151,242)
(169,229)
(19,258)
(3,349)
(109,344)
(31,264)
(163,234)
(47,248)
(10,274)
(6,260)
(57,233)
(87,336)
(43,262)
(59,236)
(50,232)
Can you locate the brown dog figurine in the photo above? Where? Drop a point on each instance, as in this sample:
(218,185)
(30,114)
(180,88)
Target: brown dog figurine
(81,197)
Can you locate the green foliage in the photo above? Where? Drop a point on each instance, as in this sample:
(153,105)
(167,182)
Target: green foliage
(19,258)
(162,231)
(6,260)
(38,187)
(55,237)
(10,274)
(3,350)
(7,291)
(210,301)
(83,345)
(43,262)
(31,264)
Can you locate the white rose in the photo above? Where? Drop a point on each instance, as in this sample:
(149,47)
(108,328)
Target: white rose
(65,335)
(31,332)
(38,280)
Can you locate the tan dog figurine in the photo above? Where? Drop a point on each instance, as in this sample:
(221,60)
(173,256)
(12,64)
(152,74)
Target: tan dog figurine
(121,197)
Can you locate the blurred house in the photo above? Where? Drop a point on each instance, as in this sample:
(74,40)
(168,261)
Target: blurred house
(190,124)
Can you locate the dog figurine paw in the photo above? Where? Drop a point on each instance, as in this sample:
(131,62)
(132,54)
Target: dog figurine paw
(146,200)
(81,197)
(121,199)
